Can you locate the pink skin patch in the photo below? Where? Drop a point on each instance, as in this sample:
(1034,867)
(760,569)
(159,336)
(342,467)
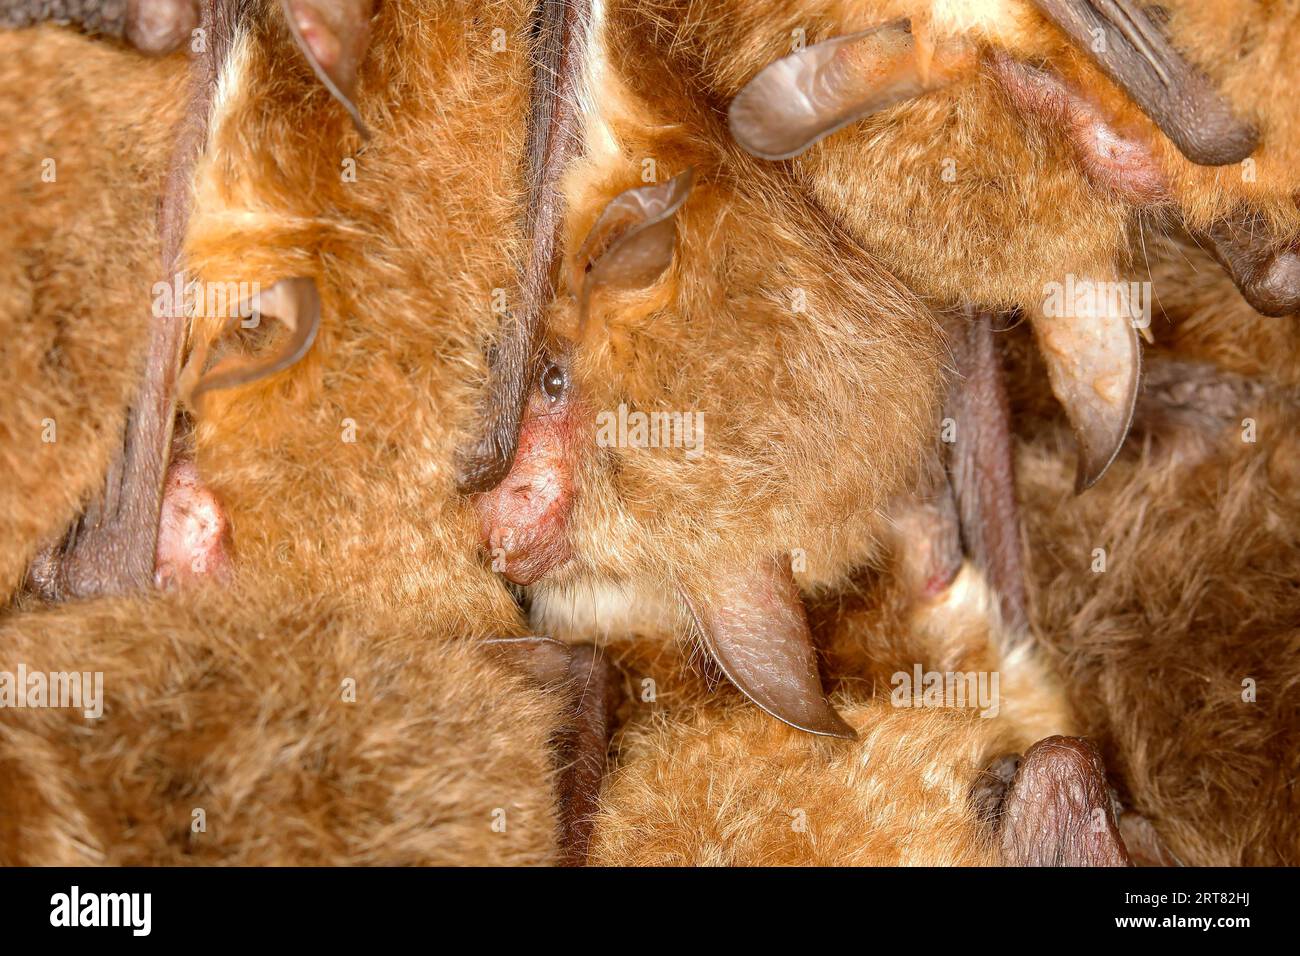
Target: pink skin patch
(1121,163)
(524,520)
(193,532)
(318,35)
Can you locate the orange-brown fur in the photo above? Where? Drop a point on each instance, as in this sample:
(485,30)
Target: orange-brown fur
(241,709)
(1199,591)
(706,779)
(337,473)
(406,271)
(1017,210)
(376,524)
(78,258)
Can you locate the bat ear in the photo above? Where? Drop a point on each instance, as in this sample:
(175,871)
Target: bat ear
(1137,56)
(1094,361)
(808,95)
(296,304)
(753,624)
(632,242)
(1058,811)
(333,36)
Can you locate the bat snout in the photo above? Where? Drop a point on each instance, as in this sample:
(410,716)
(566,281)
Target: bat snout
(523,522)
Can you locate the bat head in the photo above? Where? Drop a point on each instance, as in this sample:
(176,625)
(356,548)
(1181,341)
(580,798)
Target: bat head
(397,247)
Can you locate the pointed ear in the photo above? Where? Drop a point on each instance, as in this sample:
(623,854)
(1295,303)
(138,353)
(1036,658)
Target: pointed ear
(1138,57)
(333,36)
(753,624)
(1058,811)
(632,242)
(1094,362)
(296,304)
(808,95)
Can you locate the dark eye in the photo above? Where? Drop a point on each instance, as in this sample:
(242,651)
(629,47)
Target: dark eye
(553,382)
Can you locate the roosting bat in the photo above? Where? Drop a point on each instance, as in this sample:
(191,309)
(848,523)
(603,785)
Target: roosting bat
(600,252)
(1036,172)
(252,730)
(699,314)
(326,428)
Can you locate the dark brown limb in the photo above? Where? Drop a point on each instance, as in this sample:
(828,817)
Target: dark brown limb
(152,26)
(553,139)
(590,686)
(1138,57)
(111,549)
(980,465)
(583,751)
(1265,270)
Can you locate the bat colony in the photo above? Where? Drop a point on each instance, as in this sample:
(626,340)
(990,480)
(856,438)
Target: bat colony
(980,552)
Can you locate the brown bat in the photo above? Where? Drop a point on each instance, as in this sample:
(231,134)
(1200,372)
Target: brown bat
(375,510)
(710,301)
(249,729)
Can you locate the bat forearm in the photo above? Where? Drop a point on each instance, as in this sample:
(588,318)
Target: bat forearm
(981,469)
(106,17)
(95,16)
(154,26)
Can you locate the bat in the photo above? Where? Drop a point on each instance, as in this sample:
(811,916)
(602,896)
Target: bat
(284,731)
(661,305)
(299,323)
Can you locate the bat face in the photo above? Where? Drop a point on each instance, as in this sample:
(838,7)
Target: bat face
(760,404)
(737,389)
(338,471)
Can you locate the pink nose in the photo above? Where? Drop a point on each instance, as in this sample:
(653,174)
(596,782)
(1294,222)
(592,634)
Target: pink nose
(524,520)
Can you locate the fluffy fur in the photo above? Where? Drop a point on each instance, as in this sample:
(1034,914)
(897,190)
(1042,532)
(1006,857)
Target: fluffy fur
(1199,593)
(816,372)
(702,779)
(215,689)
(337,473)
(240,709)
(78,258)
(964,198)
(814,420)
(737,788)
